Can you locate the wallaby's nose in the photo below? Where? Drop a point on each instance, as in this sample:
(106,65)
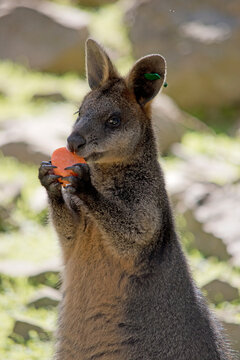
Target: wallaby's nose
(75,142)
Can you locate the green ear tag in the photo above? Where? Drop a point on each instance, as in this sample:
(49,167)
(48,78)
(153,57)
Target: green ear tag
(153,76)
(165,84)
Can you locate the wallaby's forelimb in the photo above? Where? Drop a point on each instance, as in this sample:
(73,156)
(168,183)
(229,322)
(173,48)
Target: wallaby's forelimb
(139,223)
(63,213)
(127,225)
(64,221)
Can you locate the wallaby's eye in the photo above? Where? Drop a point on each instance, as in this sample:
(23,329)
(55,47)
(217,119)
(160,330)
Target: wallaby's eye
(113,121)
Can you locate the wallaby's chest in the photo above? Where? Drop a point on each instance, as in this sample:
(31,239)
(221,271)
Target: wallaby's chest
(92,309)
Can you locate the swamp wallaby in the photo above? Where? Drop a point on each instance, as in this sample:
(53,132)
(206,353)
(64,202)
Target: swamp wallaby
(127,290)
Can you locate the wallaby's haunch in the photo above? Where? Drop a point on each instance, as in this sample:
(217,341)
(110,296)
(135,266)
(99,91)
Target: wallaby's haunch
(127,290)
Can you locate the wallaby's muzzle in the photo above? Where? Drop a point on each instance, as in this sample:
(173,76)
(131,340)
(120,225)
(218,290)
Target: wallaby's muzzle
(75,141)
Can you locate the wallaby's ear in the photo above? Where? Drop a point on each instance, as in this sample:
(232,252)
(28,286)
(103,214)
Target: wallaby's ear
(99,67)
(147,77)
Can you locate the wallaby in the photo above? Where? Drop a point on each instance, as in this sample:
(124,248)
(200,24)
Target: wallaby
(127,290)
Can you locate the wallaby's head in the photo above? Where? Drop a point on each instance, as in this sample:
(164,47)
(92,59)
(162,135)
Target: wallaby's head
(113,117)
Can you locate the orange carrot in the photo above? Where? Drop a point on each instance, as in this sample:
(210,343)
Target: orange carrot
(63,158)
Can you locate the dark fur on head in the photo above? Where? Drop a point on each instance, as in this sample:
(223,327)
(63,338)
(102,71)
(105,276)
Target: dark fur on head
(117,98)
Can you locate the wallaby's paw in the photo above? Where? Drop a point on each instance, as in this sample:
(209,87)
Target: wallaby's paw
(80,183)
(48,179)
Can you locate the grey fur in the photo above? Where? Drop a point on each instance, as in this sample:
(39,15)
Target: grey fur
(128,292)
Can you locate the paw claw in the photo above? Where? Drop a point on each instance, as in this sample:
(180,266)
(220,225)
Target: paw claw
(69,167)
(49,166)
(73,180)
(46,168)
(82,170)
(49,180)
(70,189)
(67,178)
(55,177)
(76,168)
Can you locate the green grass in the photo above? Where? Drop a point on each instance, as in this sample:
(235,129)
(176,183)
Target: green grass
(221,119)
(20,84)
(14,295)
(221,147)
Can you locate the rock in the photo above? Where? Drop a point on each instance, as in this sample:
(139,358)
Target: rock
(211,211)
(47,274)
(220,217)
(3,93)
(177,182)
(46,297)
(218,291)
(43,35)
(38,201)
(233,332)
(37,273)
(10,191)
(7,223)
(200,41)
(229,318)
(205,168)
(22,151)
(235,129)
(170,122)
(204,241)
(22,328)
(167,122)
(33,140)
(94,3)
(193,197)
(14,268)
(54,96)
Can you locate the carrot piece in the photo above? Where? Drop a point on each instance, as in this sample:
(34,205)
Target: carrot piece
(63,158)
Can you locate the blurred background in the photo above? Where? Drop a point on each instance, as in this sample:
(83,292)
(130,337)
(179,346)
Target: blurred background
(197,124)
